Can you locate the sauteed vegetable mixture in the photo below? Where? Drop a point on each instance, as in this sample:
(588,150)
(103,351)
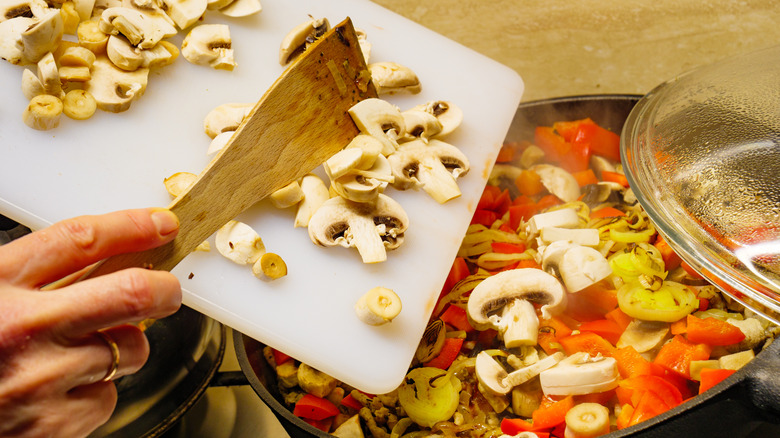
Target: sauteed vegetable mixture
(565,314)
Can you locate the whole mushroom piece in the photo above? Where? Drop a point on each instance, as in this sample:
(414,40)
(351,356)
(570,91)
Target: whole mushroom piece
(434,166)
(371,227)
(512,293)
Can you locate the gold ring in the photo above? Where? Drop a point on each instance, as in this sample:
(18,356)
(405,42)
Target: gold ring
(114,356)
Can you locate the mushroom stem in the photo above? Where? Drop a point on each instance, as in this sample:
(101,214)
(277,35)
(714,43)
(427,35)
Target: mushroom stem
(363,234)
(437,181)
(519,323)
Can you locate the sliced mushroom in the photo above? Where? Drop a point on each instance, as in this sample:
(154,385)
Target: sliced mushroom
(164,53)
(580,374)
(219,142)
(241,8)
(151,8)
(450,115)
(365,45)
(644,335)
(31,84)
(343,162)
(370,146)
(582,266)
(185,12)
(393,78)
(531,155)
(209,45)
(11,9)
(552,256)
(43,36)
(142,30)
(113,88)
(434,166)
(315,193)
(123,54)
(287,196)
(84,8)
(364,185)
(558,181)
(238,242)
(421,124)
(528,284)
(302,35)
(11,37)
(49,75)
(564,218)
(381,119)
(177,183)
(372,228)
(495,378)
(225,117)
(600,164)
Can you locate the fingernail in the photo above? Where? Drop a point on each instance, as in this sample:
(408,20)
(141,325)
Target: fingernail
(165,221)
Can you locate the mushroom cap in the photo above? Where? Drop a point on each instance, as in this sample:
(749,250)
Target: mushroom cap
(450,115)
(414,157)
(558,181)
(517,284)
(369,226)
(113,88)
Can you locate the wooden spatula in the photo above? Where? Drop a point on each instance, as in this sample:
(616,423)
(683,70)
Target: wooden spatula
(300,122)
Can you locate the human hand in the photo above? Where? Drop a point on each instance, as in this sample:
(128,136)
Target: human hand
(53,363)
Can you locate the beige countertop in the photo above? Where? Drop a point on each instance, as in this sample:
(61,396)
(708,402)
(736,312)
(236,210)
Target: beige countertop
(574,47)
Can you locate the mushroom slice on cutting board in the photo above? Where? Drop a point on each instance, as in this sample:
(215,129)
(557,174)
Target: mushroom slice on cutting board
(371,227)
(528,285)
(364,185)
(378,306)
(225,117)
(433,166)
(11,38)
(380,119)
(142,30)
(421,124)
(296,41)
(185,12)
(238,242)
(241,8)
(43,36)
(10,9)
(113,88)
(449,115)
(393,78)
(209,45)
(315,193)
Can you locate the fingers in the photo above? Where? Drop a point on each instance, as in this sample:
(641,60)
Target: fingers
(90,406)
(94,358)
(127,296)
(68,246)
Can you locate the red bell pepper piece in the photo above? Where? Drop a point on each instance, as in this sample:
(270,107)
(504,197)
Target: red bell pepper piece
(605,328)
(484,217)
(529,183)
(712,376)
(679,327)
(601,141)
(323,425)
(456,317)
(671,259)
(648,406)
(624,419)
(351,402)
(458,272)
(519,213)
(507,152)
(314,408)
(488,197)
(514,426)
(630,363)
(507,248)
(585,177)
(677,354)
(614,177)
(502,202)
(619,317)
(552,413)
(606,212)
(280,357)
(448,353)
(568,129)
(554,146)
(588,342)
(666,391)
(712,331)
(547,201)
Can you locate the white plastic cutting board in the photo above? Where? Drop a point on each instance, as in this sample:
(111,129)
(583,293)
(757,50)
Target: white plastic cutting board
(118,161)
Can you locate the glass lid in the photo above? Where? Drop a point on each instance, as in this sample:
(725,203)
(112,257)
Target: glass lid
(702,154)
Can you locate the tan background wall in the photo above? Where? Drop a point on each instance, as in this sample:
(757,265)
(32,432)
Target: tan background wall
(571,47)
